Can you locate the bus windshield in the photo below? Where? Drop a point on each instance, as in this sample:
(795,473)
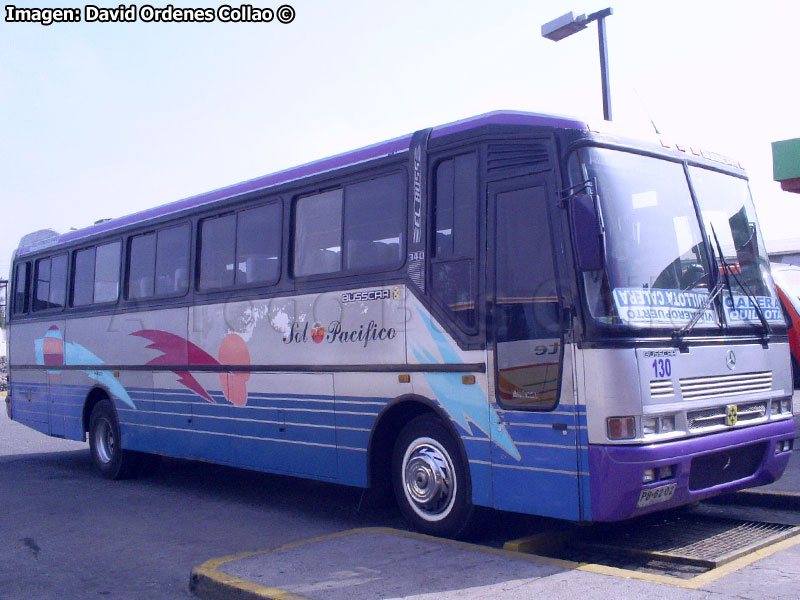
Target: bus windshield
(658,272)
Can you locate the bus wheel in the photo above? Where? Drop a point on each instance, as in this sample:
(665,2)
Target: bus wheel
(111,461)
(429,479)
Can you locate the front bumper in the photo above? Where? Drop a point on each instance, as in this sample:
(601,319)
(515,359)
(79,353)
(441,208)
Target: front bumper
(723,462)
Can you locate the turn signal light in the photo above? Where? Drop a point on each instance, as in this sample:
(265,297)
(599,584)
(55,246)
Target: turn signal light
(621,428)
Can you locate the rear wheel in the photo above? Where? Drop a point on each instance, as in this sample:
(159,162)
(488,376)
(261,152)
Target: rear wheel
(110,460)
(429,479)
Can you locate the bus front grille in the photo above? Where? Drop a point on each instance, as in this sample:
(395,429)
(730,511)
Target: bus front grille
(661,388)
(713,417)
(700,388)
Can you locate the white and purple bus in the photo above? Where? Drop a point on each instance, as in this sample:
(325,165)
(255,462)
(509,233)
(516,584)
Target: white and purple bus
(509,311)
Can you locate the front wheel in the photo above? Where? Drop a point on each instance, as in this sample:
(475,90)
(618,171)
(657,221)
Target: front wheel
(429,479)
(110,460)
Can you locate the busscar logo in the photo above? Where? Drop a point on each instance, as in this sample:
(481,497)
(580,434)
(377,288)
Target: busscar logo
(367,295)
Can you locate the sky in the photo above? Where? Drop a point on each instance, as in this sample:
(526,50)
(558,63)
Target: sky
(99,120)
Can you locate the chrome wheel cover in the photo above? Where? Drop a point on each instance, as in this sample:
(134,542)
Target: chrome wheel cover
(429,479)
(104,440)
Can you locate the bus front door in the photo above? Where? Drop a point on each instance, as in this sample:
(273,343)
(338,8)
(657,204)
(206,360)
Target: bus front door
(535,443)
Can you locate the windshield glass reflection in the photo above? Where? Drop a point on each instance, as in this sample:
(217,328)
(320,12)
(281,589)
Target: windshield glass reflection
(659,272)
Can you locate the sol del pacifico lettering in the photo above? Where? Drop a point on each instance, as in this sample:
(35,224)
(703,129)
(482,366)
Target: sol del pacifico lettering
(335,333)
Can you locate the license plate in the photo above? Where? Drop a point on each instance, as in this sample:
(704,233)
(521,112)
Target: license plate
(656,495)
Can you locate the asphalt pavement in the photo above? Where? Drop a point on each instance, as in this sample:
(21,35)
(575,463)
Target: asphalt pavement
(390,563)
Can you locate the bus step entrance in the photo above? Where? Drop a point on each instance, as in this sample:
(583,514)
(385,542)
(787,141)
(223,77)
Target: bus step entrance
(681,545)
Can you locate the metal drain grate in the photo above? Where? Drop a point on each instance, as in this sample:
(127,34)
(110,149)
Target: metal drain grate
(697,540)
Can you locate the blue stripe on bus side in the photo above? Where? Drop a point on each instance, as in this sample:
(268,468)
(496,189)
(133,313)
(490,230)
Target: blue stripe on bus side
(550,493)
(251,437)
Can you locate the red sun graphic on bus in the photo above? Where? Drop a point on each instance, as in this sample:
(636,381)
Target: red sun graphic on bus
(233,351)
(53,350)
(317,333)
(180,356)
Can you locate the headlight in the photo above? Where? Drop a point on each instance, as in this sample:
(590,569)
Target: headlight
(655,425)
(781,407)
(668,424)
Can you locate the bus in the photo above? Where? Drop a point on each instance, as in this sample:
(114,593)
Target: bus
(512,311)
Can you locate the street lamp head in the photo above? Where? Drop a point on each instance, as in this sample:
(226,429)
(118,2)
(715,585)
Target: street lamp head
(564,26)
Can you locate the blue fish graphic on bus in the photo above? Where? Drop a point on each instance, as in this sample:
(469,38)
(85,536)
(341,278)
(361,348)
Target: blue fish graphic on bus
(467,405)
(75,354)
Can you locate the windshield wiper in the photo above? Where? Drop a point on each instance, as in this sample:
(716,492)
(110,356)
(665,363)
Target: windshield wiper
(678,335)
(715,291)
(750,296)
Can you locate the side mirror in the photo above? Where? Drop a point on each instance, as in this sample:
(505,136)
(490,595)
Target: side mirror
(587,236)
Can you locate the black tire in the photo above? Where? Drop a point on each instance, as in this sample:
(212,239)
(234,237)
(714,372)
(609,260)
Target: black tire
(110,460)
(429,478)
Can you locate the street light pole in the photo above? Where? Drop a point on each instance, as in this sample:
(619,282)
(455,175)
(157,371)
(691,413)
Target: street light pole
(601,36)
(566,25)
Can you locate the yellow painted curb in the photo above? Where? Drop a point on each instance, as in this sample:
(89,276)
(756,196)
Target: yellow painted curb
(211,583)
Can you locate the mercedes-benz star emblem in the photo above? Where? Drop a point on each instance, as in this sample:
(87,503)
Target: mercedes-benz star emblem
(730,360)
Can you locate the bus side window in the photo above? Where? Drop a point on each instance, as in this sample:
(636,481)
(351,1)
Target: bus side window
(106,273)
(95,275)
(217,243)
(83,277)
(158,263)
(41,287)
(374,219)
(141,266)
(258,244)
(51,281)
(20,300)
(453,268)
(172,261)
(318,234)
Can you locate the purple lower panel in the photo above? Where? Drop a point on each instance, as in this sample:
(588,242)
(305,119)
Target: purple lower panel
(616,471)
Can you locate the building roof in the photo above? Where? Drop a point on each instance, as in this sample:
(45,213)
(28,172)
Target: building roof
(784,246)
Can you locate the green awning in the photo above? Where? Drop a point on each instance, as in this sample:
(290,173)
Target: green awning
(786,164)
